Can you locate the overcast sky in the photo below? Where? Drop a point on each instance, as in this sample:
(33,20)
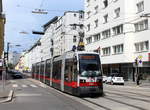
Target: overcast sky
(19,18)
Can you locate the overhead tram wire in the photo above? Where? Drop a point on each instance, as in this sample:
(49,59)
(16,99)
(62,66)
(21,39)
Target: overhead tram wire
(55,10)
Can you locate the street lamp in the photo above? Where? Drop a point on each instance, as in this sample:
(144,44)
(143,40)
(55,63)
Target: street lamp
(39,11)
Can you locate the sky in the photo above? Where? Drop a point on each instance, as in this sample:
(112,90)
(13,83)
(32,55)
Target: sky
(19,18)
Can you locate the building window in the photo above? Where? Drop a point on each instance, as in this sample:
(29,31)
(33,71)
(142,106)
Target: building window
(118,49)
(74,39)
(88,14)
(118,30)
(88,27)
(89,40)
(142,46)
(117,12)
(105,3)
(142,25)
(97,37)
(88,2)
(106,34)
(106,51)
(74,27)
(81,15)
(96,23)
(106,18)
(96,9)
(140,6)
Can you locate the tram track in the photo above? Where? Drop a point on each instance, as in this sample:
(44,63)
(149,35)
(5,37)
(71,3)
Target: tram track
(116,101)
(133,93)
(126,96)
(101,106)
(93,104)
(84,101)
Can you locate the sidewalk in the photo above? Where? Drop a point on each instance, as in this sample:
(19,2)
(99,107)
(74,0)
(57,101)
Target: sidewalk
(6,93)
(144,84)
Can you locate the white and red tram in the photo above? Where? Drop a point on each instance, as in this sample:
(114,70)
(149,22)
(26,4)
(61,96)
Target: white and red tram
(76,73)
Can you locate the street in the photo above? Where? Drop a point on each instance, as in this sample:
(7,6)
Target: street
(123,98)
(30,94)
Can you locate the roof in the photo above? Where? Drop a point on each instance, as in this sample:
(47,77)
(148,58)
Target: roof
(50,22)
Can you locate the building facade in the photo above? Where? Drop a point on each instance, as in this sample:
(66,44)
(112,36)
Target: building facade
(60,35)
(14,57)
(119,31)
(66,31)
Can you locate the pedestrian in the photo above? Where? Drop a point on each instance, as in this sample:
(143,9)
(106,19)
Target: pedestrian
(138,79)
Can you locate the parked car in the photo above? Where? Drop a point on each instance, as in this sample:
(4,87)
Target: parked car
(104,79)
(115,78)
(15,74)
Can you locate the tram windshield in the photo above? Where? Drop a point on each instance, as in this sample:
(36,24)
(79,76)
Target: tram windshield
(89,65)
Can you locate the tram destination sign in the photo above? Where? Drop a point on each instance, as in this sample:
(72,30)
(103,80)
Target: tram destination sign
(88,57)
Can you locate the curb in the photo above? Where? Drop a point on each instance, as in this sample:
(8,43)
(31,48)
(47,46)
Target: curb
(9,98)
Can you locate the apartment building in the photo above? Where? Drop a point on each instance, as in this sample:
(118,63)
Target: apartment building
(14,57)
(61,34)
(66,31)
(118,30)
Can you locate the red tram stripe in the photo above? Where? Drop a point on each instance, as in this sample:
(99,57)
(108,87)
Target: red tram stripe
(70,84)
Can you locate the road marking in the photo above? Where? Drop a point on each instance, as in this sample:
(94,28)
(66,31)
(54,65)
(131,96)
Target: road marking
(42,85)
(24,86)
(27,95)
(12,81)
(32,85)
(15,85)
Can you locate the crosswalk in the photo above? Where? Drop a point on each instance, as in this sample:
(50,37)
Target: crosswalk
(24,86)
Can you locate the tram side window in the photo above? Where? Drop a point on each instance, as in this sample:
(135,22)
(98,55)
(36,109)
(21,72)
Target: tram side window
(75,72)
(37,69)
(57,70)
(48,69)
(33,69)
(68,70)
(42,68)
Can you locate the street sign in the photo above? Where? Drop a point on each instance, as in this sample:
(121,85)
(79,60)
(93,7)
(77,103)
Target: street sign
(140,57)
(140,63)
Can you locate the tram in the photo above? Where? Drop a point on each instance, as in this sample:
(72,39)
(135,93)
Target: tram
(76,73)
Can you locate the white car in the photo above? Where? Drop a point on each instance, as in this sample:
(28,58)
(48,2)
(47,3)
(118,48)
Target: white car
(104,79)
(115,78)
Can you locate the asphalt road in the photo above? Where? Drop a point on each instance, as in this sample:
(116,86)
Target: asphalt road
(29,96)
(33,95)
